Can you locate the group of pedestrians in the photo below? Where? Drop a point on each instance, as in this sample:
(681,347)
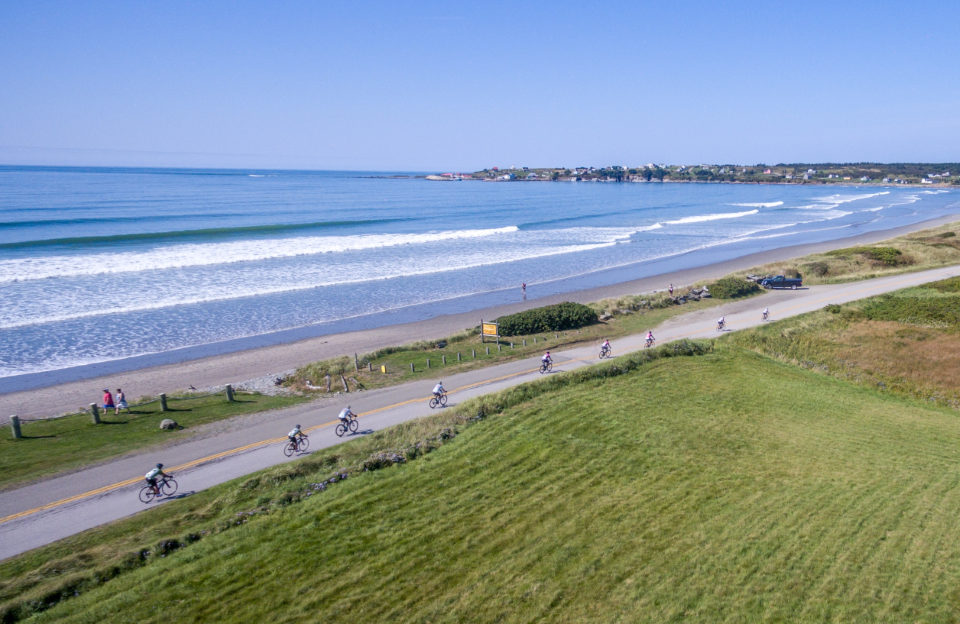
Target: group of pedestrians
(115,402)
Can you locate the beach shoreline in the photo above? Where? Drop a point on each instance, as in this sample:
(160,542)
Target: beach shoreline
(55,392)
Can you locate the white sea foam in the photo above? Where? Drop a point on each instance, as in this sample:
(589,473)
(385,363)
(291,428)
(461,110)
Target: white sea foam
(712,217)
(759,204)
(260,282)
(204,254)
(846,199)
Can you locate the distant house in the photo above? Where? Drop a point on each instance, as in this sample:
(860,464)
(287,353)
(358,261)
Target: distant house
(495,169)
(788,176)
(532,176)
(811,171)
(864,179)
(806,176)
(926,181)
(846,177)
(447,175)
(886,180)
(526,169)
(767,171)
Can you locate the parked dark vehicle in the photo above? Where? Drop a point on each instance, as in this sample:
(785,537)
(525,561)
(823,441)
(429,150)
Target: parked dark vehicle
(782,282)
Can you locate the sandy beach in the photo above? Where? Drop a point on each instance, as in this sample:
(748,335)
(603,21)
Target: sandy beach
(253,363)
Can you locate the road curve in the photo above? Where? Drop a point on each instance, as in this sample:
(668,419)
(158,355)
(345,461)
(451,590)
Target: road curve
(44,512)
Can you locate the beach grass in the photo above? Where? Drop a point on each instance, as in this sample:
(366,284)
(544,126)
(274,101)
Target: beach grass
(59,444)
(722,487)
(918,251)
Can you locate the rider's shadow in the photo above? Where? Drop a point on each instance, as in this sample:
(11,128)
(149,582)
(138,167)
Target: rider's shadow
(179,495)
(363,432)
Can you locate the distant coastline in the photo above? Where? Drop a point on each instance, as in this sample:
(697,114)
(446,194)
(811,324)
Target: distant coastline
(935,175)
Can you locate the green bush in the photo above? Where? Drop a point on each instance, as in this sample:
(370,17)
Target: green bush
(951,285)
(557,317)
(884,255)
(948,235)
(940,312)
(819,269)
(733,287)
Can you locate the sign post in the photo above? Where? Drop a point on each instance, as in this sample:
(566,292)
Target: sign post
(489,329)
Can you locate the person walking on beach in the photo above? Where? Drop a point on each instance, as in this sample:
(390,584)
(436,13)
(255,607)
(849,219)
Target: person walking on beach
(671,289)
(121,400)
(523,289)
(107,400)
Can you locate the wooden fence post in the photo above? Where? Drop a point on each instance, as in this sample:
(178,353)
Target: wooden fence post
(229,390)
(15,427)
(163,402)
(95,413)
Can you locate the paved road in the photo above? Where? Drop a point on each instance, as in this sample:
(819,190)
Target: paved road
(45,512)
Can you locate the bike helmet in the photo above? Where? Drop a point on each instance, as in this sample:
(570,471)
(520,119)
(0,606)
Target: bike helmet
(297,427)
(348,407)
(159,465)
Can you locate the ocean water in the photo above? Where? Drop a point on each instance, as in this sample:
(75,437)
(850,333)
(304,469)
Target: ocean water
(104,264)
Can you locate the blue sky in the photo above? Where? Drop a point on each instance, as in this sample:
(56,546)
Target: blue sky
(443,86)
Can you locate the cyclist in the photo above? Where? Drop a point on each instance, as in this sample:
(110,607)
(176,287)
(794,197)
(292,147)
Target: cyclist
(721,322)
(346,414)
(546,359)
(295,435)
(650,338)
(152,477)
(606,343)
(766,313)
(438,390)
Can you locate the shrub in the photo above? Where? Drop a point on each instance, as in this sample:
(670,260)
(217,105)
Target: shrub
(951,284)
(819,269)
(883,255)
(948,235)
(733,287)
(940,312)
(832,308)
(557,317)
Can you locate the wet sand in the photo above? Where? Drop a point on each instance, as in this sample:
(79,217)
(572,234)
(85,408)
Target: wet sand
(258,362)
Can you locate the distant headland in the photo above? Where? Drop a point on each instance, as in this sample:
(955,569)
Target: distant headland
(934,174)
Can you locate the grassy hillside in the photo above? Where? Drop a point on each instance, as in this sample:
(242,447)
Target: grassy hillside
(722,487)
(906,342)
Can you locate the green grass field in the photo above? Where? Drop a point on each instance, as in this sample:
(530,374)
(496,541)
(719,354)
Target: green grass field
(56,445)
(722,487)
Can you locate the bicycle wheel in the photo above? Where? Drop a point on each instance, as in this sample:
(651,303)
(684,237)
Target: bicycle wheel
(169,487)
(290,449)
(341,429)
(147,494)
(433,402)
(354,425)
(543,368)
(304,444)
(443,400)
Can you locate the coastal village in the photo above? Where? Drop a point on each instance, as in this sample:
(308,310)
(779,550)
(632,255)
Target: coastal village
(938,174)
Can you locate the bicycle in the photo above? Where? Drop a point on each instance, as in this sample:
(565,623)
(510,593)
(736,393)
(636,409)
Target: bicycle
(720,326)
(546,367)
(167,487)
(765,316)
(605,352)
(650,342)
(296,446)
(438,399)
(350,424)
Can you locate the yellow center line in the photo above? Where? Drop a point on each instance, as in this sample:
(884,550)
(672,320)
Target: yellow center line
(209,458)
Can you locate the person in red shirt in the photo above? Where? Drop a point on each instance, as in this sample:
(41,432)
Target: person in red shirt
(107,400)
